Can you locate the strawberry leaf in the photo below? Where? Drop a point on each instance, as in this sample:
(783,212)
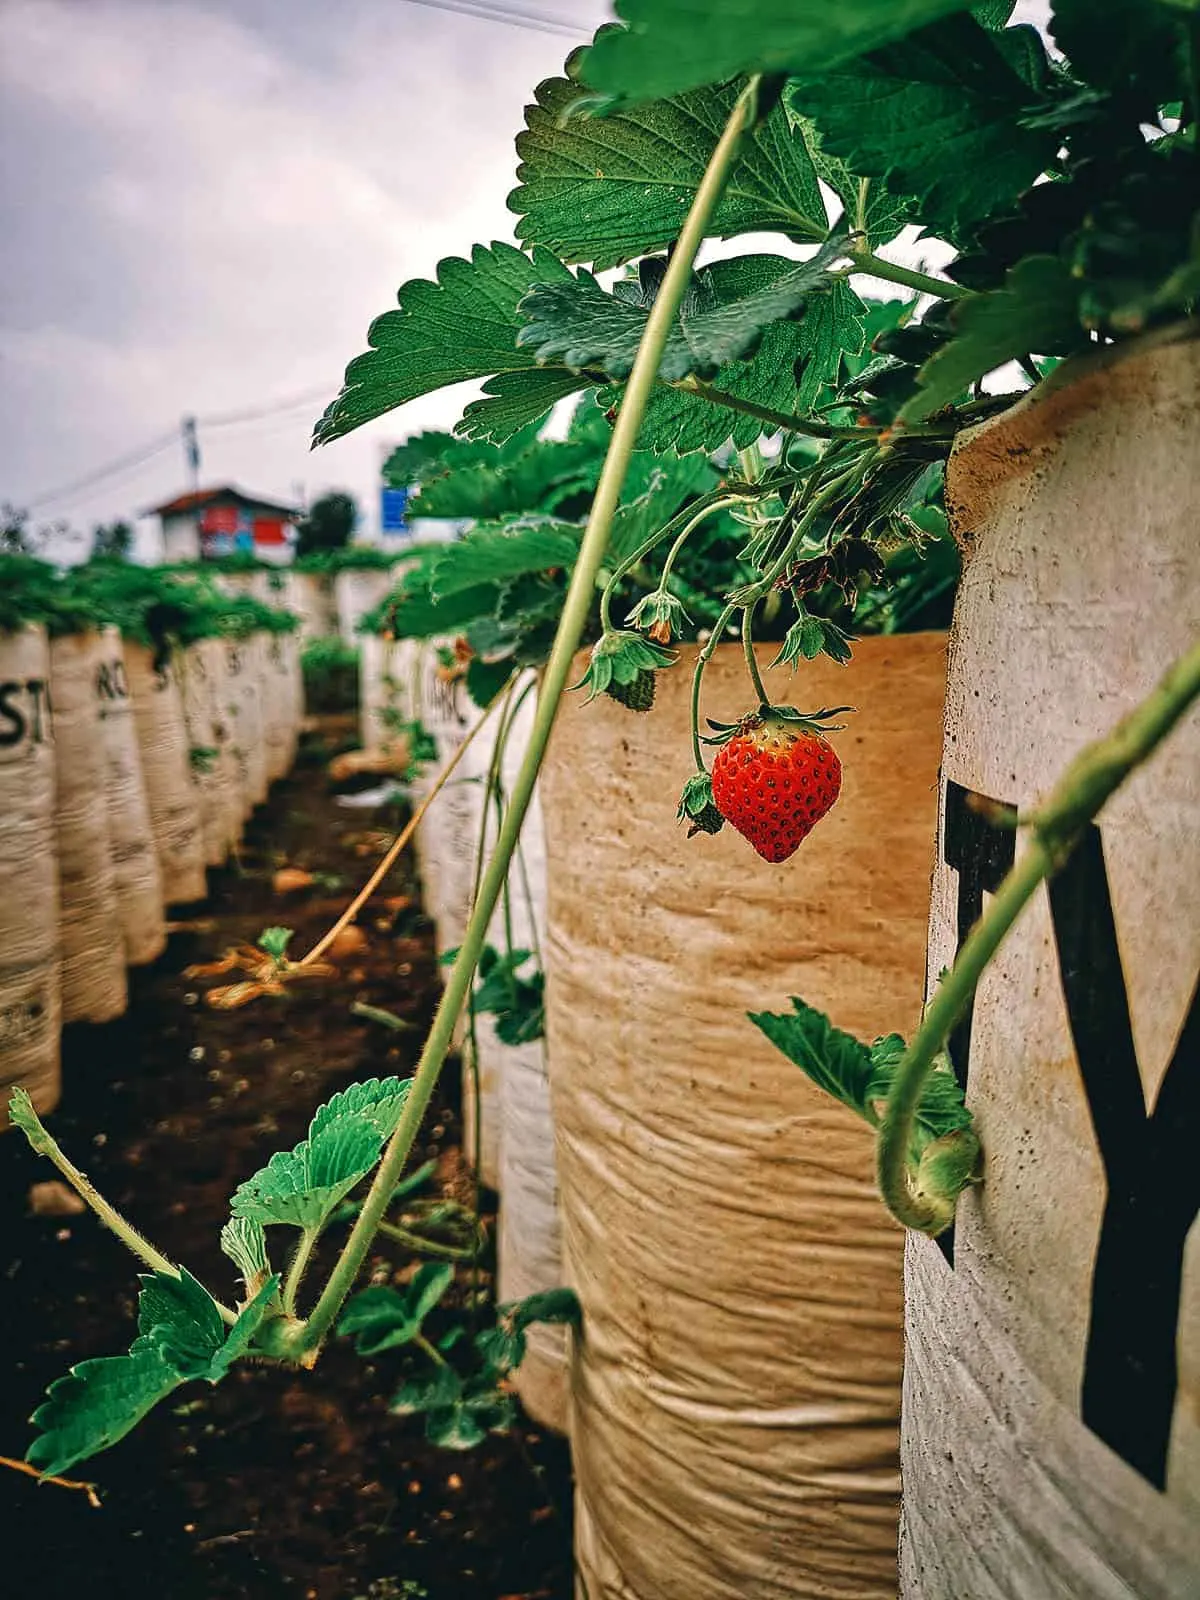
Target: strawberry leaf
(379,1100)
(673,45)
(181,1318)
(514,400)
(383,1318)
(1036,313)
(939,117)
(504,550)
(181,1337)
(815,347)
(605,190)
(97,1403)
(536,479)
(861,1076)
(729,306)
(461,326)
(835,1061)
(301,1187)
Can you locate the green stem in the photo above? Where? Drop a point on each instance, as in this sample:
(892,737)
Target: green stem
(876,267)
(784,421)
(576,606)
(751,663)
(430,1247)
(1055,828)
(702,660)
(297,1268)
(45,1144)
(700,507)
(431,1350)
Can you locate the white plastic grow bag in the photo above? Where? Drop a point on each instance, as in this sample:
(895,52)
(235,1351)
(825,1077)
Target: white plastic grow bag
(167,769)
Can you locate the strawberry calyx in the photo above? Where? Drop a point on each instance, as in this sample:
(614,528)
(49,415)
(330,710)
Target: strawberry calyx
(619,658)
(698,808)
(794,720)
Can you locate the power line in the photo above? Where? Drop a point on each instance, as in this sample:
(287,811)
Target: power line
(492,11)
(171,440)
(122,464)
(229,418)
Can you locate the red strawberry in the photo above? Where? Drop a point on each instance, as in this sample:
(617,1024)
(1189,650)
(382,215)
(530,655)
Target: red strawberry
(775,779)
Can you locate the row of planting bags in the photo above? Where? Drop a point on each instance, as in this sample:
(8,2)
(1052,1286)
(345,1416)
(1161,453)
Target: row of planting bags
(762,1361)
(126,770)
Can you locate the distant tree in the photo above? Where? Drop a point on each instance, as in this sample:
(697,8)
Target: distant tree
(14,531)
(112,542)
(329,525)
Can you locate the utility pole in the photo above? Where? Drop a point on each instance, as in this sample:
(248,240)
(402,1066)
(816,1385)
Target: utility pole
(191,452)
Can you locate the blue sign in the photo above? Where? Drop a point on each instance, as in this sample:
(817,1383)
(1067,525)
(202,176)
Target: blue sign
(392,511)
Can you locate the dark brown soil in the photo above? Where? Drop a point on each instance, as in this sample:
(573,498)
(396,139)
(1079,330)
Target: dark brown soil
(272,1483)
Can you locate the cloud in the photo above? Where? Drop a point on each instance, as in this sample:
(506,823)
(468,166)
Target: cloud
(210,202)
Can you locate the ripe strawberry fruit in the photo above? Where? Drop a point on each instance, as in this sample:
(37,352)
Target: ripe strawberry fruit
(774,779)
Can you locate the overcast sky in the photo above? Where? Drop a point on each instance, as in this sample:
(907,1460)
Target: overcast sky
(205,202)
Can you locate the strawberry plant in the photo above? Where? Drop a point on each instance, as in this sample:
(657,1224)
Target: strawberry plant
(185,1333)
(1064,184)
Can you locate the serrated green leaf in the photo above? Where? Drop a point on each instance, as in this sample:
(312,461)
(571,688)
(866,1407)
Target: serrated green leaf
(23,1116)
(467,1423)
(673,45)
(241,1336)
(659,487)
(830,331)
(868,206)
(730,304)
(383,1318)
(432,455)
(835,1061)
(605,190)
(515,400)
(536,479)
(1036,313)
(245,1243)
(301,1187)
(426,1287)
(439,1390)
(461,326)
(938,118)
(379,1100)
(181,1318)
(942,1109)
(505,550)
(417,614)
(97,1403)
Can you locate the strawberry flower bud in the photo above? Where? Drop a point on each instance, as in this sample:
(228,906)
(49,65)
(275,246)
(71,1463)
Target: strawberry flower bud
(660,614)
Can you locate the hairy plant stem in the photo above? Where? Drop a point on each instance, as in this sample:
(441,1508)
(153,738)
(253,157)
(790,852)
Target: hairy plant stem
(297,1268)
(865,261)
(44,1143)
(1054,829)
(715,500)
(305,1342)
(702,660)
(751,663)
(430,1247)
(784,421)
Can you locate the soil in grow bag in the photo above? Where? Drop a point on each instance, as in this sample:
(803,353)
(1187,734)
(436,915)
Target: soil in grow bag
(272,1483)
